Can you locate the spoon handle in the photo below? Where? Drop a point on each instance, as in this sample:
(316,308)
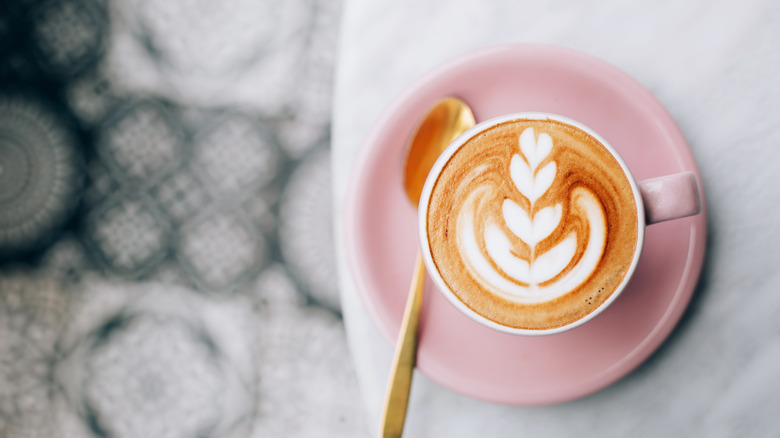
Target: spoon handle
(394,416)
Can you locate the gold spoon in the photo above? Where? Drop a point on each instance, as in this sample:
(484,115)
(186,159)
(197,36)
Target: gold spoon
(444,122)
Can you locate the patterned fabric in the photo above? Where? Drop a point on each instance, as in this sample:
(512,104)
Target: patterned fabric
(166,257)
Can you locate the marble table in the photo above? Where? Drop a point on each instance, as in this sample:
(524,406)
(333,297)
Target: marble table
(714,66)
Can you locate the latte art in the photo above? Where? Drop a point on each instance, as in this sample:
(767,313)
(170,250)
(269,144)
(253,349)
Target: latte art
(529,227)
(540,276)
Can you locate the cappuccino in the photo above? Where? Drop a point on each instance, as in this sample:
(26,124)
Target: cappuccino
(532,223)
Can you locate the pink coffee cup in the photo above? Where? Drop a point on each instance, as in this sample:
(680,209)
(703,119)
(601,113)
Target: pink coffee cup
(657,200)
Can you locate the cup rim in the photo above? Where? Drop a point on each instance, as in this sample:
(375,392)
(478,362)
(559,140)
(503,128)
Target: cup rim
(433,177)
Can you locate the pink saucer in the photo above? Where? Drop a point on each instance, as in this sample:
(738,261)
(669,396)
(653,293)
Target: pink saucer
(458,353)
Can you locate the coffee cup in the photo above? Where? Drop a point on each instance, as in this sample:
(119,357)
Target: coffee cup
(532,224)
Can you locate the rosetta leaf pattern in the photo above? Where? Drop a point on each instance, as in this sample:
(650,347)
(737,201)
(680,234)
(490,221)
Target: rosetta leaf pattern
(535,150)
(541,274)
(545,221)
(532,182)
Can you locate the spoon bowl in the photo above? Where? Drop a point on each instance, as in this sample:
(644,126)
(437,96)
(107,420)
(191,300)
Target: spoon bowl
(447,119)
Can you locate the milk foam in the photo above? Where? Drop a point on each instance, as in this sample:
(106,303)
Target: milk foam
(532,224)
(543,275)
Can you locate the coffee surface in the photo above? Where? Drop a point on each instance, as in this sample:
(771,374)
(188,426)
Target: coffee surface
(532,224)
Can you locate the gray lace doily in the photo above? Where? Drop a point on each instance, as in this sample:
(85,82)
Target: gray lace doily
(40,173)
(165,228)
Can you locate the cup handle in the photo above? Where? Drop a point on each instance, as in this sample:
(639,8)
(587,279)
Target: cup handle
(670,197)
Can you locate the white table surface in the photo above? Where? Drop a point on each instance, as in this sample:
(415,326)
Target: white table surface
(716,68)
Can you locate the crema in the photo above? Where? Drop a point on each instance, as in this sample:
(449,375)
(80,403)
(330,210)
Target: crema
(532,224)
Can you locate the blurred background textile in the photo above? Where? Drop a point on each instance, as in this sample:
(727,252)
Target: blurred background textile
(166,252)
